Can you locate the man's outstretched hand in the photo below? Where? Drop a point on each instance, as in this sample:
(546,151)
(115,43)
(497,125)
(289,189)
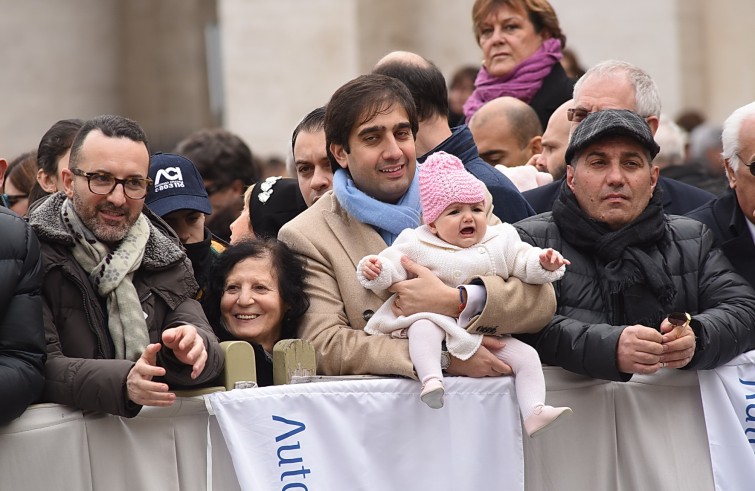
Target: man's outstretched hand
(187,346)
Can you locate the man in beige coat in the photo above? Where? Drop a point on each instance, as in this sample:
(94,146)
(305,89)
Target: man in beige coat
(370,127)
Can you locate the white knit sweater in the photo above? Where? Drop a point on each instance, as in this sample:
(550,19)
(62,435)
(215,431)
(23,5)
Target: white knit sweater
(501,252)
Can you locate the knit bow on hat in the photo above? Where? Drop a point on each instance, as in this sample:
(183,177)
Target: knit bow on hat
(443,180)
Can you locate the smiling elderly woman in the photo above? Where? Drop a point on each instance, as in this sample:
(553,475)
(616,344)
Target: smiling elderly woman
(256,294)
(521,43)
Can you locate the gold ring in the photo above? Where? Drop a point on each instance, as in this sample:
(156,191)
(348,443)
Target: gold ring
(679,319)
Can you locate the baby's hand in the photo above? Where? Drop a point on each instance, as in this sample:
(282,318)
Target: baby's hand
(551,260)
(371,268)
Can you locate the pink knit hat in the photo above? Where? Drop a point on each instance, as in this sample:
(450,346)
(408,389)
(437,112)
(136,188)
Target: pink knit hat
(442,181)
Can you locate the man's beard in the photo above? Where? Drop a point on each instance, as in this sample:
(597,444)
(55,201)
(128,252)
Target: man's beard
(108,234)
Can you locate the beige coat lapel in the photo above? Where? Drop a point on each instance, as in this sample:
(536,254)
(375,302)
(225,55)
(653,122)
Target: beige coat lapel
(357,240)
(362,238)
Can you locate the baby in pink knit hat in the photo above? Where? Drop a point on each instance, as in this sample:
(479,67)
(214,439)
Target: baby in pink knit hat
(457,244)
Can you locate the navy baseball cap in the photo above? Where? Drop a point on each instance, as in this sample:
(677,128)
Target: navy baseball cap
(177,185)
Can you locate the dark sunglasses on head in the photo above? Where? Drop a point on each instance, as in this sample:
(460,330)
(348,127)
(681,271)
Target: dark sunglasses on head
(750,166)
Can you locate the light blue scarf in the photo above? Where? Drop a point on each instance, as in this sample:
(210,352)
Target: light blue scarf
(389,220)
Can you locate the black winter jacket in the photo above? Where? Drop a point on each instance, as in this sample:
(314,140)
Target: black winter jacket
(725,218)
(22,341)
(584,334)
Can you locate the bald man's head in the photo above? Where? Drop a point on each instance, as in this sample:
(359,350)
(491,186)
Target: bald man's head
(555,140)
(405,57)
(423,79)
(507,132)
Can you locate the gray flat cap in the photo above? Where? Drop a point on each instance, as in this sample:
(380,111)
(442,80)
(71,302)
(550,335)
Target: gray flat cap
(611,122)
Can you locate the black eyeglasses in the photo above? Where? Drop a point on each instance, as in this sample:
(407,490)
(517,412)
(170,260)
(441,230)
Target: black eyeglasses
(12,200)
(577,114)
(750,166)
(102,184)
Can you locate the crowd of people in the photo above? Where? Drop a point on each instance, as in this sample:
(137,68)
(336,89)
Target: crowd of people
(527,215)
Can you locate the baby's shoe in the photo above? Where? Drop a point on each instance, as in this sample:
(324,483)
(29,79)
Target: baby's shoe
(544,417)
(432,393)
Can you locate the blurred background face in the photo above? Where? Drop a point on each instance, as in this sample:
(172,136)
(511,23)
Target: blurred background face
(241,228)
(555,140)
(507,38)
(223,195)
(313,169)
(459,93)
(54,183)
(18,201)
(499,145)
(62,164)
(598,93)
(251,306)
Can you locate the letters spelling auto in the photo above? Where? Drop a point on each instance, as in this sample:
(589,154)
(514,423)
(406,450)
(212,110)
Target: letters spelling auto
(749,419)
(298,428)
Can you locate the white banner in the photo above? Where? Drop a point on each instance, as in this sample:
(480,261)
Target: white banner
(728,395)
(373,434)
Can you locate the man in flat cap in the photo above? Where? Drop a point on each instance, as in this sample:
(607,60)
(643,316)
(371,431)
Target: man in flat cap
(632,266)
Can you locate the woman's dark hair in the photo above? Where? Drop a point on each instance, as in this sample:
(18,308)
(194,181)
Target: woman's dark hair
(55,143)
(22,171)
(290,271)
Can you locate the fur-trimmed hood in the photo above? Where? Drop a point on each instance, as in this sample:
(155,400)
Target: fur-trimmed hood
(162,249)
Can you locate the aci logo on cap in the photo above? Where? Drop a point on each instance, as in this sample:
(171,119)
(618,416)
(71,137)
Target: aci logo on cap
(168,178)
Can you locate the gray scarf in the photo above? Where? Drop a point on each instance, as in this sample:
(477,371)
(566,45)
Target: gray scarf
(111,274)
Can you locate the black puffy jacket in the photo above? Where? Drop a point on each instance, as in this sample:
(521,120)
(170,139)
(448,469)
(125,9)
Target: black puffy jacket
(22,341)
(584,334)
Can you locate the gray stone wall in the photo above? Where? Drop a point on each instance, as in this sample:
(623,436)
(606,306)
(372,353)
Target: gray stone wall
(154,60)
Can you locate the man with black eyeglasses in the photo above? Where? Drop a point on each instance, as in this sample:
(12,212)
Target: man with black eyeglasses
(615,84)
(122,327)
(731,216)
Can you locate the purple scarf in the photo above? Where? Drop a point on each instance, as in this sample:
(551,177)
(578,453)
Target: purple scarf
(523,82)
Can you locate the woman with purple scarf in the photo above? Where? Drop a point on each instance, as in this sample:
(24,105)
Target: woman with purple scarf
(521,43)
